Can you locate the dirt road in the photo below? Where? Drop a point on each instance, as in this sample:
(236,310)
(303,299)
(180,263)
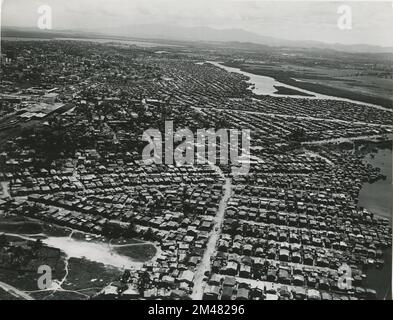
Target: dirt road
(204,265)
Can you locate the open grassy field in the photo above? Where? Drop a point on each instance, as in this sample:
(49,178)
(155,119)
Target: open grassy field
(25,277)
(89,276)
(84,279)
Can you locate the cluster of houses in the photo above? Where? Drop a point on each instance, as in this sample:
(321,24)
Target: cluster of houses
(179,220)
(339,173)
(309,108)
(290,223)
(225,287)
(163,208)
(280,129)
(297,229)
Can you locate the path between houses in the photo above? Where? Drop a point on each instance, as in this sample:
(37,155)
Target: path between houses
(4,185)
(204,265)
(374,137)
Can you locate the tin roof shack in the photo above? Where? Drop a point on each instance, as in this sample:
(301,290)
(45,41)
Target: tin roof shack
(243,293)
(313,294)
(227,293)
(299,293)
(212,292)
(232,268)
(284,276)
(187,276)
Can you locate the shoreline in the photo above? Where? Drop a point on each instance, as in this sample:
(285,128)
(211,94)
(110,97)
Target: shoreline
(379,279)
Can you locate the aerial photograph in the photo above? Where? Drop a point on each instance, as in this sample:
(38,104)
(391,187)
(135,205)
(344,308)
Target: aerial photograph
(196,150)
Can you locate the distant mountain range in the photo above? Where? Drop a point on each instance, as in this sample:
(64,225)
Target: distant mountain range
(206,34)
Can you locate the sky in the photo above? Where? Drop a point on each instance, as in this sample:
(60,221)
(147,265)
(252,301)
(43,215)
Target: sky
(372,21)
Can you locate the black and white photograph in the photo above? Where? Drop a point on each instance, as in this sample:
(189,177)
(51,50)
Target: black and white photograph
(160,151)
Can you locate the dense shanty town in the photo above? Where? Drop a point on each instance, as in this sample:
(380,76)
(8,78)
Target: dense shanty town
(72,115)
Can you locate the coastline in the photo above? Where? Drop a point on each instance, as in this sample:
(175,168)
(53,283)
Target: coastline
(376,197)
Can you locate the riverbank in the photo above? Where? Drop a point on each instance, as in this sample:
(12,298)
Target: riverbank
(281,90)
(289,79)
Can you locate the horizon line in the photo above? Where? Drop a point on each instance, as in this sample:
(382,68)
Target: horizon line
(223,29)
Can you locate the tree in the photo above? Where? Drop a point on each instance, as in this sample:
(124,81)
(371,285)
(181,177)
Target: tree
(144,280)
(234,226)
(131,230)
(149,235)
(3,240)
(37,246)
(126,276)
